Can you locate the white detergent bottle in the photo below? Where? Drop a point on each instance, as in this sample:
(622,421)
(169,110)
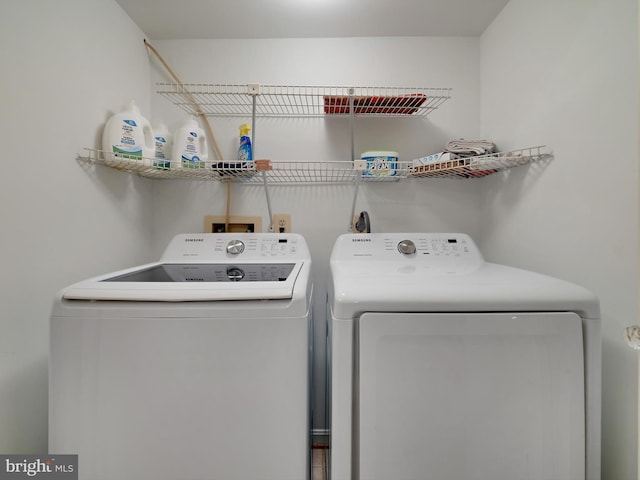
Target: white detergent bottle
(163,147)
(128,137)
(190,146)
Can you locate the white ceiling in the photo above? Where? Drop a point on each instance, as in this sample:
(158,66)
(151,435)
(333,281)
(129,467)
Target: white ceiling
(189,19)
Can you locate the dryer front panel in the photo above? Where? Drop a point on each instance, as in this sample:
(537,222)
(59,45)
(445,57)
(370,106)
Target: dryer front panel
(469,396)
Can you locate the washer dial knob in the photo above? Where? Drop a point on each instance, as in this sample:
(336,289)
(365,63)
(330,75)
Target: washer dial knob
(235,274)
(235,247)
(407,247)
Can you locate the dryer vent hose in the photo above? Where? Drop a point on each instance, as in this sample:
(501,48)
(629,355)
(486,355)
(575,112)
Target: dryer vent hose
(363,225)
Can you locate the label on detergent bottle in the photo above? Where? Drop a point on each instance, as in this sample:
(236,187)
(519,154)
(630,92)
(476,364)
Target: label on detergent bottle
(381,164)
(190,155)
(244,152)
(128,148)
(161,146)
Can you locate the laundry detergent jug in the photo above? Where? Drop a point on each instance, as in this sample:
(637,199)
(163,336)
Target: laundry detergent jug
(128,137)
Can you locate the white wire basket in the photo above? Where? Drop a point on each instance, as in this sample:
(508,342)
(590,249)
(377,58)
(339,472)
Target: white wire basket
(480,165)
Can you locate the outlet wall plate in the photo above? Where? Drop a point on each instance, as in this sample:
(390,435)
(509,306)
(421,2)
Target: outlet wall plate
(282,223)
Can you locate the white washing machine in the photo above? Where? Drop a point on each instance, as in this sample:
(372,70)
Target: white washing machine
(446,367)
(195,367)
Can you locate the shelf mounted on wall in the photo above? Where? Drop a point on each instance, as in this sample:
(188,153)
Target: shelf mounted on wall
(280,101)
(320,172)
(258,101)
(228,100)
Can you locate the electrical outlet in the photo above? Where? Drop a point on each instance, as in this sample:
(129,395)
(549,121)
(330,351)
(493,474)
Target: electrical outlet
(282,222)
(237,224)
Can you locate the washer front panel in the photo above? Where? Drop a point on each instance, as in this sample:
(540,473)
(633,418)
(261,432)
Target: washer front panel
(181,398)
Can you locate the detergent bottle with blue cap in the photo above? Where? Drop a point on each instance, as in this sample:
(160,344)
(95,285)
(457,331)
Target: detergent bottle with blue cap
(163,146)
(190,146)
(128,136)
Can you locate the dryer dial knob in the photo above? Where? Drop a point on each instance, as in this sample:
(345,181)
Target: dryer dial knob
(407,247)
(235,247)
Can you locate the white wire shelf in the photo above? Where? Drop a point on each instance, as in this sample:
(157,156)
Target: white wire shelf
(480,165)
(316,172)
(223,100)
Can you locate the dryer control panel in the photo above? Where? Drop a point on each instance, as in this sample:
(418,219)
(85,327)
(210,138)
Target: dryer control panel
(417,246)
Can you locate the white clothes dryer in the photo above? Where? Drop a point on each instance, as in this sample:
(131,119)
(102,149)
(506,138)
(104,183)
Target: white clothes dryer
(195,367)
(447,367)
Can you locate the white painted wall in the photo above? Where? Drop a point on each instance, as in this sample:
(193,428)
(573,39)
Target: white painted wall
(321,213)
(564,73)
(560,73)
(66,66)
(555,73)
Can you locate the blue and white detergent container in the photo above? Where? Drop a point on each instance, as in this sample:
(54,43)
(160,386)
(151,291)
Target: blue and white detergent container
(190,148)
(380,163)
(128,137)
(163,146)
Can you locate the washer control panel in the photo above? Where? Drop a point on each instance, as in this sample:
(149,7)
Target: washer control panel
(220,247)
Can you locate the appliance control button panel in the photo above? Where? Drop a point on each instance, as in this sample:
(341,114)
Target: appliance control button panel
(247,247)
(428,248)
(273,246)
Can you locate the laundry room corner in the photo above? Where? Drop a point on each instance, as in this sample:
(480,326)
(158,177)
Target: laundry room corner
(66,68)
(576,217)
(560,76)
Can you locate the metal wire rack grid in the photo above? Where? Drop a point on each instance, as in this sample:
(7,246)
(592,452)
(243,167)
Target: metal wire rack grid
(316,172)
(481,165)
(225,100)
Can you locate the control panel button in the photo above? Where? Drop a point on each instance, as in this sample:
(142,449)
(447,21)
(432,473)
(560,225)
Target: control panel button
(407,247)
(235,247)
